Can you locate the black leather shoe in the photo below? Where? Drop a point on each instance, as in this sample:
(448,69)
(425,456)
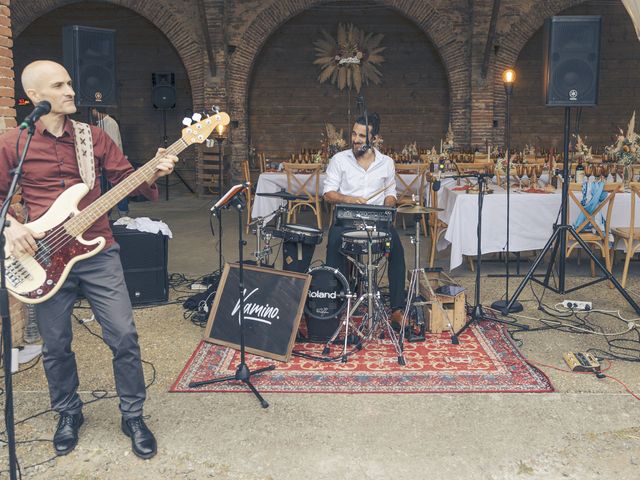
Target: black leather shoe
(66,437)
(143,443)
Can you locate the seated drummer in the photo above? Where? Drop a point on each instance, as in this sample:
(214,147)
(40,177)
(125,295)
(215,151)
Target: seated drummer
(352,177)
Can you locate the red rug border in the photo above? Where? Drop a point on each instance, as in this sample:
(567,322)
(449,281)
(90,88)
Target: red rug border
(501,328)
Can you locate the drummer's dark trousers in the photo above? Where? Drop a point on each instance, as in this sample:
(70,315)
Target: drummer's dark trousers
(396,269)
(101,280)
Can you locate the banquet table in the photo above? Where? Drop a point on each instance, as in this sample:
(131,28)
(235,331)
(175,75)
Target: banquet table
(270,182)
(531,226)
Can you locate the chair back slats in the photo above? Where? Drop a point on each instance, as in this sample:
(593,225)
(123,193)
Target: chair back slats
(297,184)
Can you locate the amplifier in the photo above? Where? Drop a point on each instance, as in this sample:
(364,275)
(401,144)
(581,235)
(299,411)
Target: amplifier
(144,261)
(351,214)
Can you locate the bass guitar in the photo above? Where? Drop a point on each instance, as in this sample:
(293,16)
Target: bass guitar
(36,278)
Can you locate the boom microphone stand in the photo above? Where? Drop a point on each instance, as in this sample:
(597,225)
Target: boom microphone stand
(243,373)
(4,305)
(559,241)
(477,313)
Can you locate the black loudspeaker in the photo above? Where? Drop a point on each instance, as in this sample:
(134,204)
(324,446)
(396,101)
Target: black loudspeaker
(144,261)
(164,90)
(90,58)
(572,60)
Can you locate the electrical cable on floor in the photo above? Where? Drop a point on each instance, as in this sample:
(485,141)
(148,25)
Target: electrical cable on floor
(97,394)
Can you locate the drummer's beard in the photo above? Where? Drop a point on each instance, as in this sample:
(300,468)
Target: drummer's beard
(358,151)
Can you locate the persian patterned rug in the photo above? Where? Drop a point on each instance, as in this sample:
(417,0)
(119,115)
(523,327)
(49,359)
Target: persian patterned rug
(485,360)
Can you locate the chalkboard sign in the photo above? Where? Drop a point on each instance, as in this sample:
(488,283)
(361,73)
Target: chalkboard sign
(273,304)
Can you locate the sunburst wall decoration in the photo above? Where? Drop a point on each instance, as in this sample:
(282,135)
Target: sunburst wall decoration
(351,59)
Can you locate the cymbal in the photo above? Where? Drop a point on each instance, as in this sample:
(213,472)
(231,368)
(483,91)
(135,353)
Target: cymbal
(283,194)
(418,209)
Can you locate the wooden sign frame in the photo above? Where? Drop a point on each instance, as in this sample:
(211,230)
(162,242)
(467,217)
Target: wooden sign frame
(272,331)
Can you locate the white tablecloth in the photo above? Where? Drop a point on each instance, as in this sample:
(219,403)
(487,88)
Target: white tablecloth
(273,182)
(531,225)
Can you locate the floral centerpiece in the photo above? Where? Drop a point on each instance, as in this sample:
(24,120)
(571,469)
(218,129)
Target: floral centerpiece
(349,60)
(626,150)
(333,140)
(448,145)
(410,151)
(582,150)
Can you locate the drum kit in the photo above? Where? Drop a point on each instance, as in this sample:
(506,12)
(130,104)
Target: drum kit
(333,300)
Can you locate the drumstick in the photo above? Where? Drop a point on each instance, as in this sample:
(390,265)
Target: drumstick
(378,192)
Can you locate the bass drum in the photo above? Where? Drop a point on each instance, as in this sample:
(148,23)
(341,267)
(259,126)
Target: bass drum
(326,301)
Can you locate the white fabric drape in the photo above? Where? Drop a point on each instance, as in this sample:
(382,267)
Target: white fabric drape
(633,7)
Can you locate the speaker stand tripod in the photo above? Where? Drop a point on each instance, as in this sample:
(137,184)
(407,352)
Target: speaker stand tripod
(559,242)
(242,374)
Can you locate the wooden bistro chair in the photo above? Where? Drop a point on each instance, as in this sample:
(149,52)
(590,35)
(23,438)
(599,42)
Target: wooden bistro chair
(405,190)
(246,176)
(589,230)
(629,235)
(437,227)
(481,157)
(482,167)
(299,186)
(262,162)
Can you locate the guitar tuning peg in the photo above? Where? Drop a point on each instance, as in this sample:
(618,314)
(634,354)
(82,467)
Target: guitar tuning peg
(215,109)
(186,121)
(196,117)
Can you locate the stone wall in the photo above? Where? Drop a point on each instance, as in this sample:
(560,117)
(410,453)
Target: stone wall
(232,54)
(7,85)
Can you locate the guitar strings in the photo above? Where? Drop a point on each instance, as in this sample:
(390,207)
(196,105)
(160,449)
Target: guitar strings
(59,235)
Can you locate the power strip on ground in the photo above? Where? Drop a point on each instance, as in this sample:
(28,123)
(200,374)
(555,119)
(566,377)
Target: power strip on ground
(577,305)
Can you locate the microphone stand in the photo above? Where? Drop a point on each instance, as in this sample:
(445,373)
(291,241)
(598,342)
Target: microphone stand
(477,312)
(5,311)
(243,373)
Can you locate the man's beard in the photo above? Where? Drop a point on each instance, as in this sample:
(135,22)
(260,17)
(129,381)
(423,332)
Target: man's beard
(358,151)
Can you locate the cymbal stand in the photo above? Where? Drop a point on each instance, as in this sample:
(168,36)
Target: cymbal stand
(344,324)
(376,315)
(415,300)
(261,254)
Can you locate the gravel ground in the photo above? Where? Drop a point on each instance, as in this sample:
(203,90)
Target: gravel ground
(588,428)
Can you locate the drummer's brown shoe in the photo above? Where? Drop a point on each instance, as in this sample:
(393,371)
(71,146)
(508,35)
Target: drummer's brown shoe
(396,320)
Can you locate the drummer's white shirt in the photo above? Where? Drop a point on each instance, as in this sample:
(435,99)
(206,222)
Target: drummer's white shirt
(346,176)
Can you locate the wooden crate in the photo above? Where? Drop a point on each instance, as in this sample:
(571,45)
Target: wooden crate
(436,320)
(208,170)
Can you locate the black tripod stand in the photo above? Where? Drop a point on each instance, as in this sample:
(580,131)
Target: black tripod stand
(243,373)
(477,313)
(165,142)
(559,242)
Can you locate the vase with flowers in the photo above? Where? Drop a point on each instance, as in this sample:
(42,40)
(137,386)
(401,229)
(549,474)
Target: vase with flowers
(626,151)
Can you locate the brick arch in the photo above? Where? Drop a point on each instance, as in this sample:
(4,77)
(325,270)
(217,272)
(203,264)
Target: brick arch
(513,41)
(425,16)
(23,13)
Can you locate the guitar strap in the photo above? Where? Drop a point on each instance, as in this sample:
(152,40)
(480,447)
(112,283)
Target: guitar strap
(84,153)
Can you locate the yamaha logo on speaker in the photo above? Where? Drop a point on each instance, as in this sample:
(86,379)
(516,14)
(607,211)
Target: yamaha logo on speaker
(573,95)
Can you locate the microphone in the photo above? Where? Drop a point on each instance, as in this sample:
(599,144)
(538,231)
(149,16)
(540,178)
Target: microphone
(437,182)
(42,108)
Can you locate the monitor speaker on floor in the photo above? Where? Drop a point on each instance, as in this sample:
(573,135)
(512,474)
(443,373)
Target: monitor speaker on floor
(144,261)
